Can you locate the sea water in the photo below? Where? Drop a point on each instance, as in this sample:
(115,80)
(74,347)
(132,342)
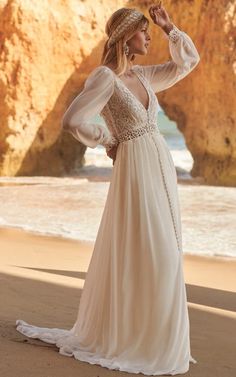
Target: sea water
(72,206)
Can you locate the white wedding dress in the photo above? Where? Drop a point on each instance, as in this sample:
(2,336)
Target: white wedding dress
(133,313)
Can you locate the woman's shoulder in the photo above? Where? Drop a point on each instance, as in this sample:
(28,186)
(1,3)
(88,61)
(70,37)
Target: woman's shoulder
(100,76)
(102,71)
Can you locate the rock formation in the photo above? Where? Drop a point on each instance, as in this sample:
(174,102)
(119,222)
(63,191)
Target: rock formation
(204,103)
(47,50)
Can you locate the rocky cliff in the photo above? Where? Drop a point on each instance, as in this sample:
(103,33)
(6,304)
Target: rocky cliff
(204,103)
(47,49)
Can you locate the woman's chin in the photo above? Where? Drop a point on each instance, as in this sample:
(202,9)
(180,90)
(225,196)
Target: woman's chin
(144,51)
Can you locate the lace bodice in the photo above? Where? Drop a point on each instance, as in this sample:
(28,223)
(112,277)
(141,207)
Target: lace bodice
(125,116)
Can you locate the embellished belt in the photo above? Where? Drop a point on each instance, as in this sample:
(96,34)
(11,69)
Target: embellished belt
(135,132)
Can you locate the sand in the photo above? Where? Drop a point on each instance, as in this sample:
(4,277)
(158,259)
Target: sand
(41,282)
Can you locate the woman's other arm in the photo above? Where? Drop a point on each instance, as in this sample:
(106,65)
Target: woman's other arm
(78,118)
(183,52)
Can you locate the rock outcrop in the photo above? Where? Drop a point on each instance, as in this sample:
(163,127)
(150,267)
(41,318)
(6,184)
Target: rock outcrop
(47,50)
(204,103)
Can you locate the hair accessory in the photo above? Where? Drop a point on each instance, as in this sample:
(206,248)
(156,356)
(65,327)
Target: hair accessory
(131,18)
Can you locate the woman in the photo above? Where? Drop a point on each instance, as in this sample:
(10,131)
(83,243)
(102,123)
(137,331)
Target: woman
(133,312)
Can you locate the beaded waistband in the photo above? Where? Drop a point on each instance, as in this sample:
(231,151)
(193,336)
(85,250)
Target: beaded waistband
(135,132)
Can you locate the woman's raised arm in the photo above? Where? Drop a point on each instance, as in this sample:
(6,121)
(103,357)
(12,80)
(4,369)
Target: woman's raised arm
(77,119)
(184,55)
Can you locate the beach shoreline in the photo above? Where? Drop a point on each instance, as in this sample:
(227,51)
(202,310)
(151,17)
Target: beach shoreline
(72,208)
(90,243)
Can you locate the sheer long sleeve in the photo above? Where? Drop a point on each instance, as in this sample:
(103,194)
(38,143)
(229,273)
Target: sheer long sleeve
(184,55)
(78,118)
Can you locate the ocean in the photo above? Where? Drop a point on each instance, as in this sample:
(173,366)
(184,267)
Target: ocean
(72,206)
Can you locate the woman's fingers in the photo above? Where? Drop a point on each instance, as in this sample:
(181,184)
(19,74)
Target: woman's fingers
(155,8)
(159,5)
(158,13)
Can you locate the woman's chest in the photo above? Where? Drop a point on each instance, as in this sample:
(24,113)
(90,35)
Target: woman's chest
(137,88)
(125,111)
(125,104)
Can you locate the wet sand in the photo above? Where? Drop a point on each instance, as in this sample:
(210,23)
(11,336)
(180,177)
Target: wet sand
(41,282)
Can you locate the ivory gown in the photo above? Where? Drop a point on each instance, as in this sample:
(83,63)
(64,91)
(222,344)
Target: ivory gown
(133,313)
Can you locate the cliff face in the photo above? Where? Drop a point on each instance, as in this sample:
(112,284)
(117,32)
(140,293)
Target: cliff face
(204,103)
(42,46)
(47,49)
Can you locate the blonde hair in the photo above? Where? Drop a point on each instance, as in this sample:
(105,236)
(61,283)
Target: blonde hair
(115,52)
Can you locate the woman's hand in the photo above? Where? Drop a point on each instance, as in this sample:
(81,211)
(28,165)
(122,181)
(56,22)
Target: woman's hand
(112,153)
(159,15)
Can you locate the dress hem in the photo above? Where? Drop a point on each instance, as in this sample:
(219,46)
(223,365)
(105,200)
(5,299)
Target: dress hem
(28,330)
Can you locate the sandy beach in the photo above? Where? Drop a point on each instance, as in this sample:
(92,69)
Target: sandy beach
(41,282)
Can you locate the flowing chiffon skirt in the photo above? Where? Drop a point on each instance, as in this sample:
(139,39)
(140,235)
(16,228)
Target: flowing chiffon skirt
(133,313)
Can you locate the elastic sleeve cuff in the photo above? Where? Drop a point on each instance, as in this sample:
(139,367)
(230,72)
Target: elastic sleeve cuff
(109,144)
(174,34)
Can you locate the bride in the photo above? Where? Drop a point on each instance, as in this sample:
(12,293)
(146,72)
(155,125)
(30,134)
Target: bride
(133,313)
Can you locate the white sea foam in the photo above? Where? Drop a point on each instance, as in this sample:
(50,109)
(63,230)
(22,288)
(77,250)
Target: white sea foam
(72,207)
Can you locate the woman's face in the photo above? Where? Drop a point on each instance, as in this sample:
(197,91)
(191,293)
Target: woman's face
(139,43)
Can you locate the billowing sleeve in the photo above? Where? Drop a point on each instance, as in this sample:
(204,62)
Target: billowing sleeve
(184,56)
(78,118)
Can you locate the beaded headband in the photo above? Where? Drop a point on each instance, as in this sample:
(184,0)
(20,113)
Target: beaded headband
(131,18)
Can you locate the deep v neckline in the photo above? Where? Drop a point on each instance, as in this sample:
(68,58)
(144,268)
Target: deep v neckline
(131,93)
